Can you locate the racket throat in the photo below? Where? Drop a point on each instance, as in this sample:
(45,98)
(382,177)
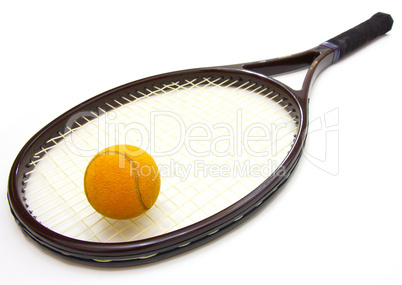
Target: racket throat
(314,60)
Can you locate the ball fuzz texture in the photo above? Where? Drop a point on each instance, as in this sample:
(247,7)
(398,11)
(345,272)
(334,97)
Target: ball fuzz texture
(122,182)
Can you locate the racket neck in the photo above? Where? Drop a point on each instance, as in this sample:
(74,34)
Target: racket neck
(325,57)
(315,60)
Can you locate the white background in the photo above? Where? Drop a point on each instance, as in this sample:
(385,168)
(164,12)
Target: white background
(336,222)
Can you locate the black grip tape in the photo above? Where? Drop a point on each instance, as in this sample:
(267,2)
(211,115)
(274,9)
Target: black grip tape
(358,36)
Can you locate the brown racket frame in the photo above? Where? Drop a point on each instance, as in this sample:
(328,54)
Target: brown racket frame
(178,241)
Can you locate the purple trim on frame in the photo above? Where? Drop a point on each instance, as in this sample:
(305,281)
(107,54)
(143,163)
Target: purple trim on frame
(335,48)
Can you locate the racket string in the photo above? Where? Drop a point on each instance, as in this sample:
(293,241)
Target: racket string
(205,100)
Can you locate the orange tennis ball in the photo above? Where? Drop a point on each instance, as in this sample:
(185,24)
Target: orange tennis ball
(122,182)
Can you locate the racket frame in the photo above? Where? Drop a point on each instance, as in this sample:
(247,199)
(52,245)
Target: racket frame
(178,241)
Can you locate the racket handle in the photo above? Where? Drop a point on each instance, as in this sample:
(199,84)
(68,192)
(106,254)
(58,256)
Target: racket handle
(360,35)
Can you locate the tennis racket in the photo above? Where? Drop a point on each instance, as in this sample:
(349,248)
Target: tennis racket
(225,140)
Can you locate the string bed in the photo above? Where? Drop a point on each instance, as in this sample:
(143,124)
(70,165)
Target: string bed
(214,141)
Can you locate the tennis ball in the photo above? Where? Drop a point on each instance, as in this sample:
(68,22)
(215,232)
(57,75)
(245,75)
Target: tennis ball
(122,182)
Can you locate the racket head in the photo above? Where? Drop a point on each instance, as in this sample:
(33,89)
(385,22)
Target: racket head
(176,241)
